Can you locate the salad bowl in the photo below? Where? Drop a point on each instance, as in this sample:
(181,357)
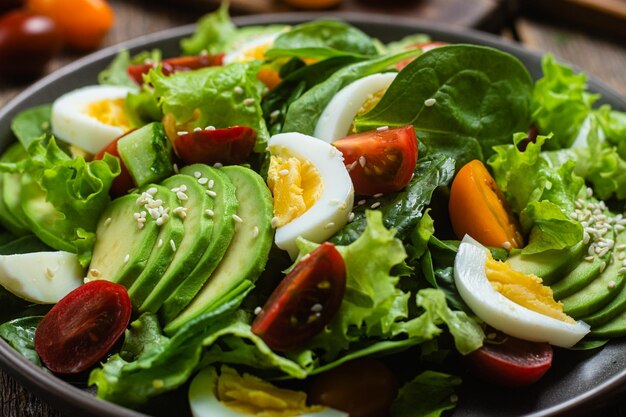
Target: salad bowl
(580,382)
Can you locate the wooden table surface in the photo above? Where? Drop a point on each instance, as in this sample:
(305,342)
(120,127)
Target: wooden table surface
(598,56)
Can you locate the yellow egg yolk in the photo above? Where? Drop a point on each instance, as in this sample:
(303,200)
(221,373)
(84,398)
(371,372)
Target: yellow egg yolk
(110,112)
(254,53)
(252,396)
(525,290)
(370,102)
(295,184)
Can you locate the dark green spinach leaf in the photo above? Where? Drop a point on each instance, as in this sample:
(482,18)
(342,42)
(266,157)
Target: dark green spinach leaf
(428,395)
(20,334)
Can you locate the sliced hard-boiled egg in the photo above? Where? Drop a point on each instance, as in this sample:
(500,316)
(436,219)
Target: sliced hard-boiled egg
(232,395)
(313,193)
(251,50)
(41,277)
(356,98)
(91,117)
(533,316)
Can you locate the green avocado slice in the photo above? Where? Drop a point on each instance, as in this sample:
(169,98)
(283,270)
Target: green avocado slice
(197,237)
(248,251)
(550,265)
(221,189)
(171,232)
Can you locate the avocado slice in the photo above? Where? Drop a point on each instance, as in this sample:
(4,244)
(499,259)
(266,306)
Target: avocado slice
(248,251)
(601,291)
(614,328)
(198,227)
(550,265)
(171,232)
(225,205)
(584,273)
(122,248)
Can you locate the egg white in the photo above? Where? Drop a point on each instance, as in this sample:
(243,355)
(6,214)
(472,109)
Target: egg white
(41,277)
(331,210)
(337,117)
(204,402)
(242,52)
(70,122)
(500,312)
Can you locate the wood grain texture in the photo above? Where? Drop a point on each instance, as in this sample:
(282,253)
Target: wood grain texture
(602,58)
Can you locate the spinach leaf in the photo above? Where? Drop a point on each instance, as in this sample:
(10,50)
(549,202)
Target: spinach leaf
(403,210)
(296,83)
(429,394)
(20,334)
(322,39)
(31,124)
(304,112)
(457,96)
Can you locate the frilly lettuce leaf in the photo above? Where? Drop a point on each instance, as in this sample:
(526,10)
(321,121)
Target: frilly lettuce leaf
(217,96)
(542,193)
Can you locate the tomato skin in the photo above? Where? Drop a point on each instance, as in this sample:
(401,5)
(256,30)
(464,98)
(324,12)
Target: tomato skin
(83,23)
(390,159)
(510,362)
(291,316)
(362,388)
(227,146)
(123,182)
(171,65)
(27,43)
(81,328)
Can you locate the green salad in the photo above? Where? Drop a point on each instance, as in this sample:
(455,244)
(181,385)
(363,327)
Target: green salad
(305,221)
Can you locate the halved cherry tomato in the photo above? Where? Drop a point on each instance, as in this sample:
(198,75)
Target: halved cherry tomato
(305,301)
(83,23)
(510,362)
(478,208)
(227,146)
(424,46)
(269,76)
(362,388)
(81,328)
(380,161)
(123,182)
(171,65)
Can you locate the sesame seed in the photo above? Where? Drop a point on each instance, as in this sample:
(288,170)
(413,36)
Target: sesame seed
(248,101)
(361,202)
(182,196)
(218,165)
(507,245)
(183,188)
(203,181)
(619,227)
(283,172)
(86,280)
(351,217)
(94,272)
(173,245)
(274,222)
(237,218)
(382,128)
(329,225)
(211,184)
(430,102)
(621,246)
(49,273)
(197,129)
(589,258)
(182,132)
(274,115)
(257,310)
(210,128)
(107,221)
(209,212)
(175,168)
(352,166)
(126,258)
(317,308)
(621,256)
(211,193)
(611,284)
(154,213)
(589,192)
(378,195)
(238,90)
(160,243)
(159,221)
(197,174)
(362,161)
(255,231)
(375,205)
(454,398)
(152,191)
(622,270)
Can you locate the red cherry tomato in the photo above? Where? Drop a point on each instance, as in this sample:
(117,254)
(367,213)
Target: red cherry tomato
(361,388)
(27,43)
(510,362)
(171,65)
(424,46)
(81,328)
(123,182)
(227,146)
(305,301)
(380,161)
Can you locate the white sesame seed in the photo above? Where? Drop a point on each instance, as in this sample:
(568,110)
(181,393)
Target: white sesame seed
(126,258)
(238,90)
(182,132)
(361,202)
(430,102)
(237,218)
(352,166)
(329,225)
(95,272)
(586,237)
(107,221)
(173,245)
(211,184)
(507,245)
(203,181)
(154,213)
(378,195)
(612,284)
(283,172)
(211,193)
(454,398)
(257,310)
(160,243)
(175,168)
(317,308)
(621,270)
(589,258)
(621,246)
(209,212)
(382,128)
(210,128)
(274,222)
(375,205)
(152,191)
(351,217)
(589,192)
(618,228)
(182,196)
(621,256)
(255,231)
(218,165)
(274,115)
(197,129)
(248,101)
(362,161)
(159,221)
(50,272)
(197,174)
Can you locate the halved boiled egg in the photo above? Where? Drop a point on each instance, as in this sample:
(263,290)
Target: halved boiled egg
(312,189)
(91,117)
(354,99)
(512,302)
(232,395)
(251,50)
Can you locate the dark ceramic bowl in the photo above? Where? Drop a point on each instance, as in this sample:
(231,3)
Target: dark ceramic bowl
(578,383)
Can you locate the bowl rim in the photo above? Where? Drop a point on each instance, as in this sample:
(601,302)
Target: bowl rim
(69,397)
